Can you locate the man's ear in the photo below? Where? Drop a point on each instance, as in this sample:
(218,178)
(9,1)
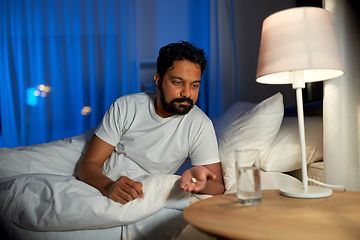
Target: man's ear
(157,80)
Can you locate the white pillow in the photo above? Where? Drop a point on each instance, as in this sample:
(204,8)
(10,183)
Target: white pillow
(244,126)
(284,153)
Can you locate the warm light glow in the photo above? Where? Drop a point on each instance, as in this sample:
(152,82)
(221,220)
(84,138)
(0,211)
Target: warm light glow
(41,87)
(42,90)
(32,94)
(298,45)
(86,110)
(312,75)
(298,39)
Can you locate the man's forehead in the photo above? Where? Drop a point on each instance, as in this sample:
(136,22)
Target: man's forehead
(174,76)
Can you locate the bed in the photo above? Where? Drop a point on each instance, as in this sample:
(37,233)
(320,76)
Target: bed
(41,197)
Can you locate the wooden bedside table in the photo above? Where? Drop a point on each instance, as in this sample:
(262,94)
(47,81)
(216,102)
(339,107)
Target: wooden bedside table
(278,217)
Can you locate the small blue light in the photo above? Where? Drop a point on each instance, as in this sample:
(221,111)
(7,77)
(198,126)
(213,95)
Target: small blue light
(31,97)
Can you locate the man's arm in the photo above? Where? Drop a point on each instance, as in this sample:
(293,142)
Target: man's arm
(215,187)
(208,180)
(89,171)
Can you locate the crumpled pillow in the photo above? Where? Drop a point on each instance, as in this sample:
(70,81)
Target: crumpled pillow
(247,126)
(284,154)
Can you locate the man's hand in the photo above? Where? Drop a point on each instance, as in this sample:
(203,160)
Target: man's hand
(124,190)
(201,176)
(89,171)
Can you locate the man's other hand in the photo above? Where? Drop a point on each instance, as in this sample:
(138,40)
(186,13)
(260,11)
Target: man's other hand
(124,190)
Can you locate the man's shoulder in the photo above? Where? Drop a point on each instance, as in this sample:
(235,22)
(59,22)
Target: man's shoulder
(198,115)
(136,97)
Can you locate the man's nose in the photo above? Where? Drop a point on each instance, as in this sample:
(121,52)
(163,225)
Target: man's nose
(185,91)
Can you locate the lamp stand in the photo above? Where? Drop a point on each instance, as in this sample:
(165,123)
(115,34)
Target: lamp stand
(306,191)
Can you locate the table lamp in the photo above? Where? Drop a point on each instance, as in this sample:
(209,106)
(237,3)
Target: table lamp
(298,45)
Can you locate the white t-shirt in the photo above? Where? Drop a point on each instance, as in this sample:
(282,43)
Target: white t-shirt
(147,143)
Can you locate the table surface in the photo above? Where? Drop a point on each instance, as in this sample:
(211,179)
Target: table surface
(279,217)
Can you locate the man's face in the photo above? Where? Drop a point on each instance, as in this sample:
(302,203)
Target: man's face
(179,89)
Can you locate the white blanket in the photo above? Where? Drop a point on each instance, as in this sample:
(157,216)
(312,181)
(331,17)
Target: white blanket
(39,191)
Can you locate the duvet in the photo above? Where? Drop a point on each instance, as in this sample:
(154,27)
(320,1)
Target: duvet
(39,191)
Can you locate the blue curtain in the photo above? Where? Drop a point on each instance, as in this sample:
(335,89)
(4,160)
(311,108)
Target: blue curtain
(223,76)
(62,64)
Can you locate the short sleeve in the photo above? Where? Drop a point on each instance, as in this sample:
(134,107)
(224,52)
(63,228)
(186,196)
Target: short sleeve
(204,149)
(110,128)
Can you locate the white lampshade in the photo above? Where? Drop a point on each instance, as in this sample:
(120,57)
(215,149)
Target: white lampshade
(296,39)
(298,45)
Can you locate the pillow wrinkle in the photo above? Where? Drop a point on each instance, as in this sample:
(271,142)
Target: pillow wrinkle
(284,154)
(247,126)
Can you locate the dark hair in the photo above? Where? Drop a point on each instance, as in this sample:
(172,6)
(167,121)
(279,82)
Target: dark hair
(181,50)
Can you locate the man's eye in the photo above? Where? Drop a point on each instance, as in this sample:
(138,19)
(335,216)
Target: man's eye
(195,86)
(177,83)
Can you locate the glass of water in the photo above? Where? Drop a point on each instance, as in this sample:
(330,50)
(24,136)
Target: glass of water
(248,176)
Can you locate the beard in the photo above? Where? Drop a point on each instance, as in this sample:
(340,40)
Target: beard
(172,108)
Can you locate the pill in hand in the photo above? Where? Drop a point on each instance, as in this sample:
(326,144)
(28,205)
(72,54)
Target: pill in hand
(193,180)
